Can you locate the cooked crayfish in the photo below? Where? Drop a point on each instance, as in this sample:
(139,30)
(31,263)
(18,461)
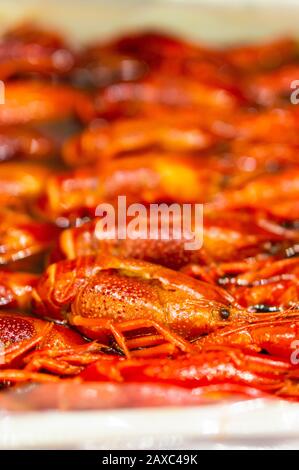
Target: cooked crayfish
(146,179)
(28,49)
(275,87)
(229,237)
(36,101)
(135,56)
(272,284)
(216,366)
(264,56)
(22,238)
(275,194)
(134,98)
(133,136)
(104,295)
(278,337)
(21,182)
(16,289)
(25,143)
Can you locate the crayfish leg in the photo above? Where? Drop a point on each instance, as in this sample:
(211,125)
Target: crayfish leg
(117,330)
(55,366)
(16,375)
(165,349)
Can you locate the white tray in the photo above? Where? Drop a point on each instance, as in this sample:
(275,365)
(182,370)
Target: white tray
(254,424)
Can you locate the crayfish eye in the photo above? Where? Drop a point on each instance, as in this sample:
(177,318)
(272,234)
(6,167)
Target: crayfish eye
(224,313)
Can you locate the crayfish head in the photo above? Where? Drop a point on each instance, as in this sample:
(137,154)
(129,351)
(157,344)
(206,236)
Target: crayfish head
(204,317)
(15,328)
(218,315)
(18,334)
(232,313)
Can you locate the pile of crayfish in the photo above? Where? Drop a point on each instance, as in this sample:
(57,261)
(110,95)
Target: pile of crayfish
(159,120)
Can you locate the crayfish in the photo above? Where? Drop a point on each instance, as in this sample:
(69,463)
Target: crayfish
(28,49)
(145,178)
(229,238)
(23,239)
(106,296)
(216,369)
(127,136)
